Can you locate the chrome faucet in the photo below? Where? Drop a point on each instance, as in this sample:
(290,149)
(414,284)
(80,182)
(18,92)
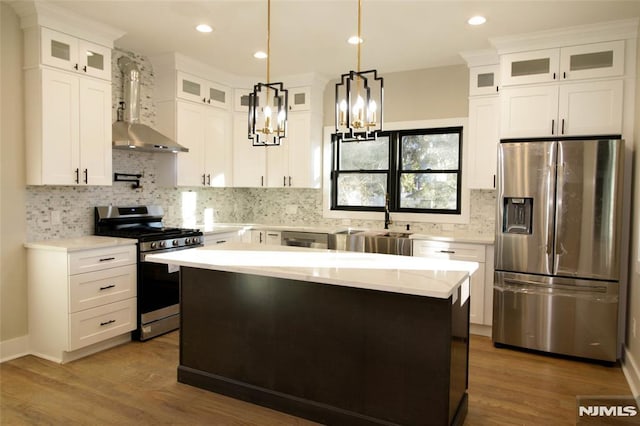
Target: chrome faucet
(387,216)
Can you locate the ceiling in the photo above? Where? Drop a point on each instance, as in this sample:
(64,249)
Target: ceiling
(310,35)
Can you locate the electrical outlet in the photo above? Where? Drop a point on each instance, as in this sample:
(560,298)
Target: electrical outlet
(56,218)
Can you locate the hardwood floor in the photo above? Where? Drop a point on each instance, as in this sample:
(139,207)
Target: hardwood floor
(136,384)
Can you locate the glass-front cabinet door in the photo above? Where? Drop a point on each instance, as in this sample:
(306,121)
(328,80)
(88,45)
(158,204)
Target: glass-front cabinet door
(592,60)
(59,50)
(69,53)
(191,88)
(539,66)
(484,80)
(94,60)
(299,98)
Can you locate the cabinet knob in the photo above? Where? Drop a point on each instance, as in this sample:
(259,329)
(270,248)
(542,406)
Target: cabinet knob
(84,68)
(75,67)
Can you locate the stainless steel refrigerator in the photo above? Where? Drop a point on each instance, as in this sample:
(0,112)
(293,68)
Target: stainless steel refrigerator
(558,245)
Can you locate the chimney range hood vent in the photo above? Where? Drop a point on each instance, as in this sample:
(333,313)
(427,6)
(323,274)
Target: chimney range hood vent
(127,131)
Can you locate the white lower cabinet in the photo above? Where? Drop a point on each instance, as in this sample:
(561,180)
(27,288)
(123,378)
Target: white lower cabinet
(273,238)
(480,309)
(80,301)
(221,238)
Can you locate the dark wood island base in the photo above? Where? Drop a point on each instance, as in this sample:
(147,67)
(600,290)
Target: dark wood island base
(333,354)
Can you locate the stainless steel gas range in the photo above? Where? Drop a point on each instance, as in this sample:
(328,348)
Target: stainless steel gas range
(158,285)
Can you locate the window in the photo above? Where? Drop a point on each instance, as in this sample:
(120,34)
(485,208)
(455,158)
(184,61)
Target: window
(419,170)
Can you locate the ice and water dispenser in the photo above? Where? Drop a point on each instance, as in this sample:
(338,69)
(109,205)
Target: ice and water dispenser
(517,215)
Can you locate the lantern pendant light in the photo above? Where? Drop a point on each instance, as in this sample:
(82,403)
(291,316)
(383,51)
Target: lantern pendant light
(268,105)
(359,100)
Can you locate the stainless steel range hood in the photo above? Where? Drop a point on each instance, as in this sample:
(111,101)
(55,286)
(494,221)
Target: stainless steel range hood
(128,132)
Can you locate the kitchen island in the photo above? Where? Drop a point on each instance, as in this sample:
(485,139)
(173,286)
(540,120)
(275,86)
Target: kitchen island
(335,337)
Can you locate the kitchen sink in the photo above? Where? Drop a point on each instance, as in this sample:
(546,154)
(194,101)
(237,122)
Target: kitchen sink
(385,242)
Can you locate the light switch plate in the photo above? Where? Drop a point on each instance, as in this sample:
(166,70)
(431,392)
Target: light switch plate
(292,209)
(56,218)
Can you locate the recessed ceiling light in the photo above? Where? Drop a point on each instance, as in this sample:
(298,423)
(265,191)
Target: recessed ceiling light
(204,28)
(260,55)
(477,20)
(355,40)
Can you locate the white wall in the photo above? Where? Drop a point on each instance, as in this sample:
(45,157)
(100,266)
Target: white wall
(13,288)
(632,361)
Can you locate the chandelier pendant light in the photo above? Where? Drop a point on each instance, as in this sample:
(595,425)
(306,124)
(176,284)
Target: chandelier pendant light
(359,98)
(268,105)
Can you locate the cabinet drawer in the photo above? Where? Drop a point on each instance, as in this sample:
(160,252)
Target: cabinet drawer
(97,324)
(101,287)
(446,250)
(95,260)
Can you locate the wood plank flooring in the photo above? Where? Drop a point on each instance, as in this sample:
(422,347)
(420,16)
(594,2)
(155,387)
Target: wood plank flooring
(136,384)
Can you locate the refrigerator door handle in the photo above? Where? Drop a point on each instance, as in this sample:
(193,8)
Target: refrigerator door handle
(520,286)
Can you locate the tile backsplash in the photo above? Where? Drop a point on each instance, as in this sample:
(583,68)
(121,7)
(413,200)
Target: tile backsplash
(74,205)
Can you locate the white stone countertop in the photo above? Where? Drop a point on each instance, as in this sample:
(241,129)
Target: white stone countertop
(220,228)
(397,274)
(80,243)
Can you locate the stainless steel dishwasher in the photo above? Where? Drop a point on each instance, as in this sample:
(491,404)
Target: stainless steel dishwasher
(305,239)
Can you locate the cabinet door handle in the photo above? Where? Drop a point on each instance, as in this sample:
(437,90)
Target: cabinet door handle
(221,241)
(209,179)
(102,324)
(284,181)
(77,175)
(261,238)
(261,180)
(447,251)
(107,287)
(497,88)
(75,67)
(289,180)
(553,124)
(209,101)
(84,68)
(562,126)
(204,100)
(106,259)
(564,74)
(554,75)
(494,181)
(86,176)
(203,179)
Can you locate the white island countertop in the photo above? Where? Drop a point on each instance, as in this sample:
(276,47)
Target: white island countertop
(397,274)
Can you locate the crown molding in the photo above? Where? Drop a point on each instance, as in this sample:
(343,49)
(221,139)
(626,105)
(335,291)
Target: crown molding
(583,34)
(476,58)
(50,15)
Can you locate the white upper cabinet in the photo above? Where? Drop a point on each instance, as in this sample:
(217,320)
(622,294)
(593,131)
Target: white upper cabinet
(568,63)
(299,99)
(206,132)
(592,60)
(68,129)
(192,88)
(593,108)
(576,109)
(241,100)
(484,80)
(73,54)
(484,136)
(249,162)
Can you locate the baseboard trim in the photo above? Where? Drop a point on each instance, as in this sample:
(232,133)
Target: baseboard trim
(480,330)
(14,348)
(631,373)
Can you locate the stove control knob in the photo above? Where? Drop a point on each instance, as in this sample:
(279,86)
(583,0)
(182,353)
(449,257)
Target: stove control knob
(153,245)
(187,241)
(175,242)
(195,240)
(163,243)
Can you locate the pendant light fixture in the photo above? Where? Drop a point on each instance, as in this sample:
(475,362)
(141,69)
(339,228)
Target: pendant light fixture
(359,97)
(268,105)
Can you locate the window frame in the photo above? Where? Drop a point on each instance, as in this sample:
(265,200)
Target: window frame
(394,172)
